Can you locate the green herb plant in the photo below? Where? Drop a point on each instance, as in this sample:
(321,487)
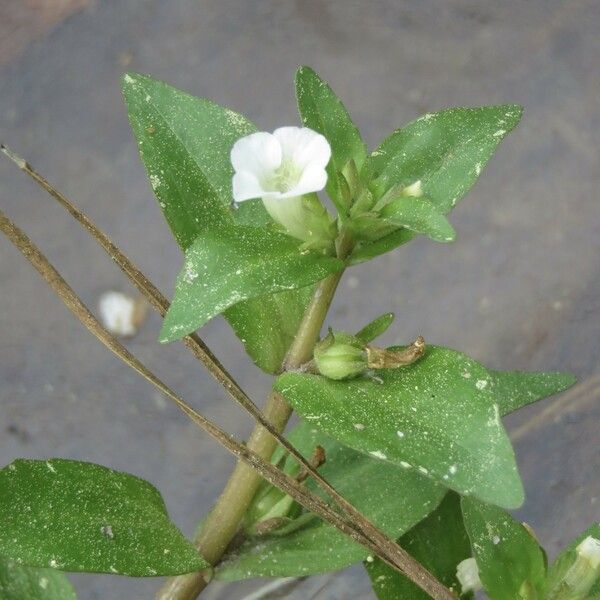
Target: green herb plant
(399,460)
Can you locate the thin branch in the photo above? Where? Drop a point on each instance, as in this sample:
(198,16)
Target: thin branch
(413,569)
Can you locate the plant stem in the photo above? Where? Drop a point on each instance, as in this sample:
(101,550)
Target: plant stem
(223,521)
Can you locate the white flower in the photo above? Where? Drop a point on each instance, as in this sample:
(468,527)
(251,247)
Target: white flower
(467,574)
(289,162)
(280,168)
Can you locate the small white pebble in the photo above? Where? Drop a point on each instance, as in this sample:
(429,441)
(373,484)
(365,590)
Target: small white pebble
(120,314)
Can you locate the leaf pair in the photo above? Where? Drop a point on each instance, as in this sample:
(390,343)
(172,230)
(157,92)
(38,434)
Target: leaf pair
(184,143)
(394,497)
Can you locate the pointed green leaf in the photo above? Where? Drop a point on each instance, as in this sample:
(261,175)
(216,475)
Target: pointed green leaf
(224,267)
(77,516)
(18,582)
(515,389)
(512,566)
(394,499)
(563,563)
(375,328)
(437,415)
(185,144)
(421,216)
(439,543)
(321,110)
(368,251)
(446,151)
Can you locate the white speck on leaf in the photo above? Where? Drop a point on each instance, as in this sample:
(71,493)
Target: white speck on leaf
(481,384)
(378,454)
(359,426)
(499,133)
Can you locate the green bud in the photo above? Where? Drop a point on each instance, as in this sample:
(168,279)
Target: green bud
(583,573)
(340,356)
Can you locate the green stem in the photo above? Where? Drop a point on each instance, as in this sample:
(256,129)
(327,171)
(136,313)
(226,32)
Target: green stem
(224,520)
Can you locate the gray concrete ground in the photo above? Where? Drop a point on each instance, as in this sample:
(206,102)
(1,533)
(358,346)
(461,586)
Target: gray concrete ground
(519,288)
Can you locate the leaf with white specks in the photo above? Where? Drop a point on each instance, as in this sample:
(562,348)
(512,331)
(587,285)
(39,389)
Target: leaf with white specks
(185,143)
(515,389)
(439,543)
(77,516)
(437,416)
(18,582)
(394,499)
(446,151)
(322,111)
(510,561)
(224,267)
(421,216)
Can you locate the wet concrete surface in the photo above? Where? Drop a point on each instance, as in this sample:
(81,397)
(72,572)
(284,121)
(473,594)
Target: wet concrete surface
(519,289)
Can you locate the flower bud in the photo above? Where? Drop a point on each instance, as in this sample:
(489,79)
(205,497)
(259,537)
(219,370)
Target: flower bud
(340,356)
(582,574)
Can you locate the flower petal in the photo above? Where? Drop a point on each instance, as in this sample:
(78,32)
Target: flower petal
(258,153)
(303,146)
(313,179)
(246,186)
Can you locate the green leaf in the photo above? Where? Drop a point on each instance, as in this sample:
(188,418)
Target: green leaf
(511,563)
(76,516)
(321,110)
(566,558)
(364,252)
(446,151)
(185,144)
(421,216)
(267,325)
(439,543)
(515,389)
(375,328)
(394,499)
(233,264)
(25,583)
(437,415)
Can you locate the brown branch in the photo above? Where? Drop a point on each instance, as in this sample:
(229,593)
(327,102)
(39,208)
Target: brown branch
(412,568)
